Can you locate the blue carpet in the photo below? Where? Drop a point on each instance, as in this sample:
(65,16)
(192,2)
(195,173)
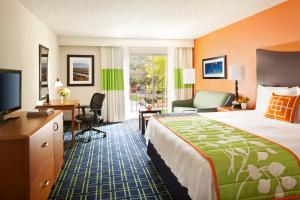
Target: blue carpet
(115,167)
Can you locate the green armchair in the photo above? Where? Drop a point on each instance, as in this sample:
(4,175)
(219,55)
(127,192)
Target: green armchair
(203,101)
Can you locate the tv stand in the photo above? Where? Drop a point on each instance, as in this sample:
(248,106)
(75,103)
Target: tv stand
(4,119)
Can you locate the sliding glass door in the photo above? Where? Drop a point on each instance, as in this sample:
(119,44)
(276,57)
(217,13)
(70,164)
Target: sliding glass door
(148,82)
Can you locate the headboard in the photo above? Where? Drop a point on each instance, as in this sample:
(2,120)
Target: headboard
(278,68)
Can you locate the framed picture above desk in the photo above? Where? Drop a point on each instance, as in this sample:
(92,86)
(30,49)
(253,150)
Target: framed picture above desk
(80,70)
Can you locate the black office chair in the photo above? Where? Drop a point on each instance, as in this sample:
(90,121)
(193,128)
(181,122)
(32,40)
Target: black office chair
(90,119)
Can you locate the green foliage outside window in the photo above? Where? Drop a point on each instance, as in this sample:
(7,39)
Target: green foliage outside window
(148,78)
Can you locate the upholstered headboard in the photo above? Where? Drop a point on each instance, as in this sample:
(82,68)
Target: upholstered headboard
(278,68)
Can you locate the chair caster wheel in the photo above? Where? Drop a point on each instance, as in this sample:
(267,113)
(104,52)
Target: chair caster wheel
(87,141)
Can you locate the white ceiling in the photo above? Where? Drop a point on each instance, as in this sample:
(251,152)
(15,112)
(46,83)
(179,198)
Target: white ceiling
(155,19)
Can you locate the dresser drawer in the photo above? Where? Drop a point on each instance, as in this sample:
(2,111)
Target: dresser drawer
(41,183)
(41,150)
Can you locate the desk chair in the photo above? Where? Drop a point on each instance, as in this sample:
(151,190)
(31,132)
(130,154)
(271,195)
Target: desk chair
(90,119)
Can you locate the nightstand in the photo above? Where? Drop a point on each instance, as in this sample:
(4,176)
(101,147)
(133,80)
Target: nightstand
(228,109)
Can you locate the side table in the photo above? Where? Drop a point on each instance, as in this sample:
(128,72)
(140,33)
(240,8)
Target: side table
(143,117)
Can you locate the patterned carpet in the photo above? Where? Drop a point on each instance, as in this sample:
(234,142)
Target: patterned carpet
(116,167)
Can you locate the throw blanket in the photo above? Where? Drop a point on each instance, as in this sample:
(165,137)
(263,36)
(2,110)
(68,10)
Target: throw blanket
(244,165)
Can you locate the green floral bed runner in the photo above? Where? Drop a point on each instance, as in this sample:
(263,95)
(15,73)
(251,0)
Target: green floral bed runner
(245,166)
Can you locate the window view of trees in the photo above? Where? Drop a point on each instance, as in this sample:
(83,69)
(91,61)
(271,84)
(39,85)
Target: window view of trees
(148,81)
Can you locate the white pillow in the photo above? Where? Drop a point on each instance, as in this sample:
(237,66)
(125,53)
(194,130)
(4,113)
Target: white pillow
(288,92)
(264,94)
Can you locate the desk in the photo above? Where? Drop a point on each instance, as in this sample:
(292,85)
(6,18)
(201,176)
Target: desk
(142,118)
(68,104)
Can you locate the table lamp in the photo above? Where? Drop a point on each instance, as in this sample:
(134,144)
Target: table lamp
(58,83)
(236,73)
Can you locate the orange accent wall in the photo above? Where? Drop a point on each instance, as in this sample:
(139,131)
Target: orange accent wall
(293,46)
(239,41)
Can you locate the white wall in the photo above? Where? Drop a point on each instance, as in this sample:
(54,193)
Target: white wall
(20,35)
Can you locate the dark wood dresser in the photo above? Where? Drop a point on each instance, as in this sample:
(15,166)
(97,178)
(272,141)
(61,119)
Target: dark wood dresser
(31,156)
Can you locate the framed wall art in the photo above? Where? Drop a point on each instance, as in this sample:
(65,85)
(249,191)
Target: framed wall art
(214,68)
(80,70)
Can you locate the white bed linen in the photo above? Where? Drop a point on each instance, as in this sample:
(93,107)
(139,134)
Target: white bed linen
(192,170)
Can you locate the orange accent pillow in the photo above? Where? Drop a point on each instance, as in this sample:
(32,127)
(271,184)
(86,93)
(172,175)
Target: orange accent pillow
(283,108)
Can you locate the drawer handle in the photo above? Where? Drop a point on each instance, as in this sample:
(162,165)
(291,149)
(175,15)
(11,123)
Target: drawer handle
(55,126)
(45,144)
(46,183)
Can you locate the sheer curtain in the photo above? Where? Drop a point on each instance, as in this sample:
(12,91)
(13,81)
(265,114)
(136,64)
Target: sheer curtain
(183,59)
(112,83)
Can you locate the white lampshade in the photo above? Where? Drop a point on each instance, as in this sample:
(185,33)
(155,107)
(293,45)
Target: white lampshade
(235,72)
(58,83)
(188,75)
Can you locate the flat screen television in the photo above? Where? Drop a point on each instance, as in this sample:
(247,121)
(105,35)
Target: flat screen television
(10,91)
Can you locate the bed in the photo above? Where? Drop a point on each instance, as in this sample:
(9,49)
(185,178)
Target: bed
(188,174)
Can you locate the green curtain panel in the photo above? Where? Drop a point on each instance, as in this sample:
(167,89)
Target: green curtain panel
(112,83)
(183,59)
(112,79)
(178,79)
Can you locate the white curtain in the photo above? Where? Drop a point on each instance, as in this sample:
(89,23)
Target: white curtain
(183,59)
(112,83)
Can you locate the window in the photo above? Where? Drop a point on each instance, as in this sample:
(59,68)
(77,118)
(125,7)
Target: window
(148,81)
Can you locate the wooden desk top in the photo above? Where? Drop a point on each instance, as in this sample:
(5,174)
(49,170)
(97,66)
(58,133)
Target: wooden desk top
(24,126)
(59,103)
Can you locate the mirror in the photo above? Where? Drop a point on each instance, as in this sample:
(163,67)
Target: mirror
(43,72)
